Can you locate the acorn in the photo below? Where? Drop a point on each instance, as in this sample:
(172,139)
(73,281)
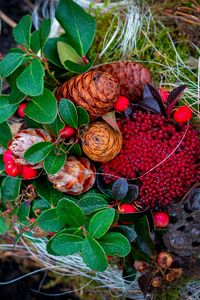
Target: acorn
(100,142)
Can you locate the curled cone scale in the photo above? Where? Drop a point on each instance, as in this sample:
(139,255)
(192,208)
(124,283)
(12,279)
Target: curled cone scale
(75,177)
(131,76)
(23,140)
(96,91)
(100,142)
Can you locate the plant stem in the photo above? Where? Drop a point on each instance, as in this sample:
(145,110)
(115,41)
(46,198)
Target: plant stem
(50,73)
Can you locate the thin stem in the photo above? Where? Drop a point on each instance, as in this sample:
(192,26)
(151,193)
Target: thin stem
(50,73)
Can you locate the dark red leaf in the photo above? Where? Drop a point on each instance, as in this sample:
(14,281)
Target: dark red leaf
(174,97)
(144,282)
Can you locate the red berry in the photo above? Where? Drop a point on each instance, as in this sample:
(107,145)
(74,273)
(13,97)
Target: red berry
(183,114)
(21,109)
(161,219)
(67,132)
(127,209)
(121,104)
(164,94)
(8,157)
(12,169)
(28,173)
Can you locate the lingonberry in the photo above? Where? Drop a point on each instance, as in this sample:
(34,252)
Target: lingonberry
(8,157)
(127,208)
(12,169)
(21,109)
(161,219)
(164,260)
(67,132)
(121,104)
(28,173)
(164,94)
(183,114)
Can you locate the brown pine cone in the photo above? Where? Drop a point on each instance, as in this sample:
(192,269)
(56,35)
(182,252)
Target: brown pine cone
(96,91)
(132,77)
(75,177)
(23,140)
(100,142)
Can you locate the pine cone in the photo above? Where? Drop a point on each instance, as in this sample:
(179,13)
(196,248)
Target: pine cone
(132,77)
(95,91)
(23,140)
(75,177)
(100,142)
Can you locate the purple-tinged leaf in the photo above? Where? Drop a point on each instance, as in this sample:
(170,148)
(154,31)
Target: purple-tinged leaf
(152,100)
(120,188)
(144,282)
(174,97)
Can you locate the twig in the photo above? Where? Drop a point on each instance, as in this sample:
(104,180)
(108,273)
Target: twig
(7,20)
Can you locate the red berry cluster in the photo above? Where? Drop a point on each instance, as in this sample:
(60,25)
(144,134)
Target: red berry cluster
(13,169)
(147,140)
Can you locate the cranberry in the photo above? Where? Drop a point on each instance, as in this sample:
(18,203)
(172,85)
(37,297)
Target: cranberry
(183,114)
(127,208)
(8,157)
(28,173)
(121,104)
(161,219)
(67,132)
(21,109)
(12,169)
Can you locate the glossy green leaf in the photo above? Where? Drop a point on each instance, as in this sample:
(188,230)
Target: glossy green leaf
(38,152)
(30,81)
(101,222)
(55,127)
(92,201)
(10,188)
(2,164)
(66,244)
(44,31)
(51,52)
(93,255)
(46,191)
(66,52)
(41,204)
(35,41)
(75,150)
(77,68)
(114,243)
(6,108)
(3,225)
(70,213)
(16,96)
(49,221)
(22,31)
(83,117)
(1,84)
(127,231)
(68,113)
(42,109)
(10,63)
(55,161)
(23,212)
(5,134)
(79,25)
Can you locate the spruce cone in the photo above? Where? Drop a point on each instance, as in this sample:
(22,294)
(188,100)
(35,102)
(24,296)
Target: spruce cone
(100,142)
(95,91)
(23,140)
(132,77)
(75,177)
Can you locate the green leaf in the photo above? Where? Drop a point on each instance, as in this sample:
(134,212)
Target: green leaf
(101,222)
(16,96)
(66,244)
(5,134)
(41,204)
(91,202)
(31,82)
(49,221)
(42,109)
(114,243)
(51,52)
(38,152)
(55,127)
(3,225)
(66,52)
(79,25)
(22,31)
(83,117)
(10,188)
(44,31)
(1,84)
(46,191)
(2,164)
(6,109)
(68,113)
(10,63)
(75,150)
(77,68)
(127,231)
(94,255)
(35,41)
(23,212)
(54,161)
(70,213)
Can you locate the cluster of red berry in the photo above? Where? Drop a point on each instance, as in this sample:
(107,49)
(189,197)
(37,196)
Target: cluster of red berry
(13,169)
(148,140)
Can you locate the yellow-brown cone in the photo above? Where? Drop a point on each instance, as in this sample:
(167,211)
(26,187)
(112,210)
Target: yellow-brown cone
(100,142)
